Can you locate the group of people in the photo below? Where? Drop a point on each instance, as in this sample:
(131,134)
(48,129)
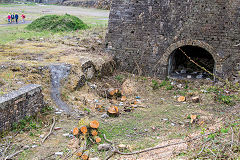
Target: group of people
(14,18)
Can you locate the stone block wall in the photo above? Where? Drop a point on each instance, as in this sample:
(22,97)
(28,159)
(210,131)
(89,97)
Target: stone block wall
(143,33)
(14,106)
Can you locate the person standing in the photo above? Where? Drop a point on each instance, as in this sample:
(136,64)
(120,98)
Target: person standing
(23,18)
(16,17)
(9,18)
(12,17)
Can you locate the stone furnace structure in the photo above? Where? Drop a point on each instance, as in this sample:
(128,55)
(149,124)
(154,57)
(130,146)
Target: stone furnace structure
(145,37)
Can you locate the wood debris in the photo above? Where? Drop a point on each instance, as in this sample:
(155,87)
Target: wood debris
(86,130)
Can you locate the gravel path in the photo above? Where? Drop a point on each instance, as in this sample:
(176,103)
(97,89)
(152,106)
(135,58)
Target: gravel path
(54,9)
(14,24)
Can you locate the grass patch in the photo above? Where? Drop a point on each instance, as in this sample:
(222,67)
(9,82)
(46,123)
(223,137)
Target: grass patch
(12,33)
(56,23)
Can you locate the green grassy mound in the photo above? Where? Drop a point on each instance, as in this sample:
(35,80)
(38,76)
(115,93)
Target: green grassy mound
(56,23)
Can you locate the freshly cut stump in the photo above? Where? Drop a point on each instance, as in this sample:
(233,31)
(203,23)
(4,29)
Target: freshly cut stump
(85,155)
(124,98)
(94,124)
(113,111)
(75,131)
(83,129)
(181,99)
(97,139)
(94,132)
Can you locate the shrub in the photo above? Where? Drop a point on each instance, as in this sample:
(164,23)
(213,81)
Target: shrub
(56,23)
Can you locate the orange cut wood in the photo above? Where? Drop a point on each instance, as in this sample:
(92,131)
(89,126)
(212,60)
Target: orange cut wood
(75,131)
(85,155)
(79,154)
(124,98)
(94,124)
(83,129)
(94,132)
(112,91)
(193,117)
(97,139)
(113,110)
(181,99)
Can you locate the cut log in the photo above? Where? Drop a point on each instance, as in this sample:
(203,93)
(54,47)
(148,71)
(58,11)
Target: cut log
(82,148)
(193,117)
(113,111)
(85,155)
(124,98)
(181,99)
(195,99)
(97,139)
(94,124)
(135,102)
(112,91)
(75,131)
(83,129)
(94,132)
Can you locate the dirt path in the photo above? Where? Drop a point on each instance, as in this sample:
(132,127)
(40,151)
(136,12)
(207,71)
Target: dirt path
(36,11)
(14,24)
(54,9)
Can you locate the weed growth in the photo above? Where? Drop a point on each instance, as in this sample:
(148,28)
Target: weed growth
(119,78)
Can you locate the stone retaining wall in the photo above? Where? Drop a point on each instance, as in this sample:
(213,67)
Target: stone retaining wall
(14,106)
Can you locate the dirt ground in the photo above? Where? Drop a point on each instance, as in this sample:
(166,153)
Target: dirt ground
(159,119)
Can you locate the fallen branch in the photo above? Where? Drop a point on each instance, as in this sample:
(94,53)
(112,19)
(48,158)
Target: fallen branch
(16,153)
(232,137)
(116,151)
(69,155)
(50,132)
(104,136)
(202,149)
(5,150)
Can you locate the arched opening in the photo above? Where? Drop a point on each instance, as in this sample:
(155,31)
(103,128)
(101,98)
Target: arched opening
(180,65)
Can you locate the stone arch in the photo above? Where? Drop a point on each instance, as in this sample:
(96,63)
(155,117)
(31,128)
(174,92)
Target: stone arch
(165,58)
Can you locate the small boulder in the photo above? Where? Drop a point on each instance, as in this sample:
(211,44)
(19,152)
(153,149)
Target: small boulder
(129,87)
